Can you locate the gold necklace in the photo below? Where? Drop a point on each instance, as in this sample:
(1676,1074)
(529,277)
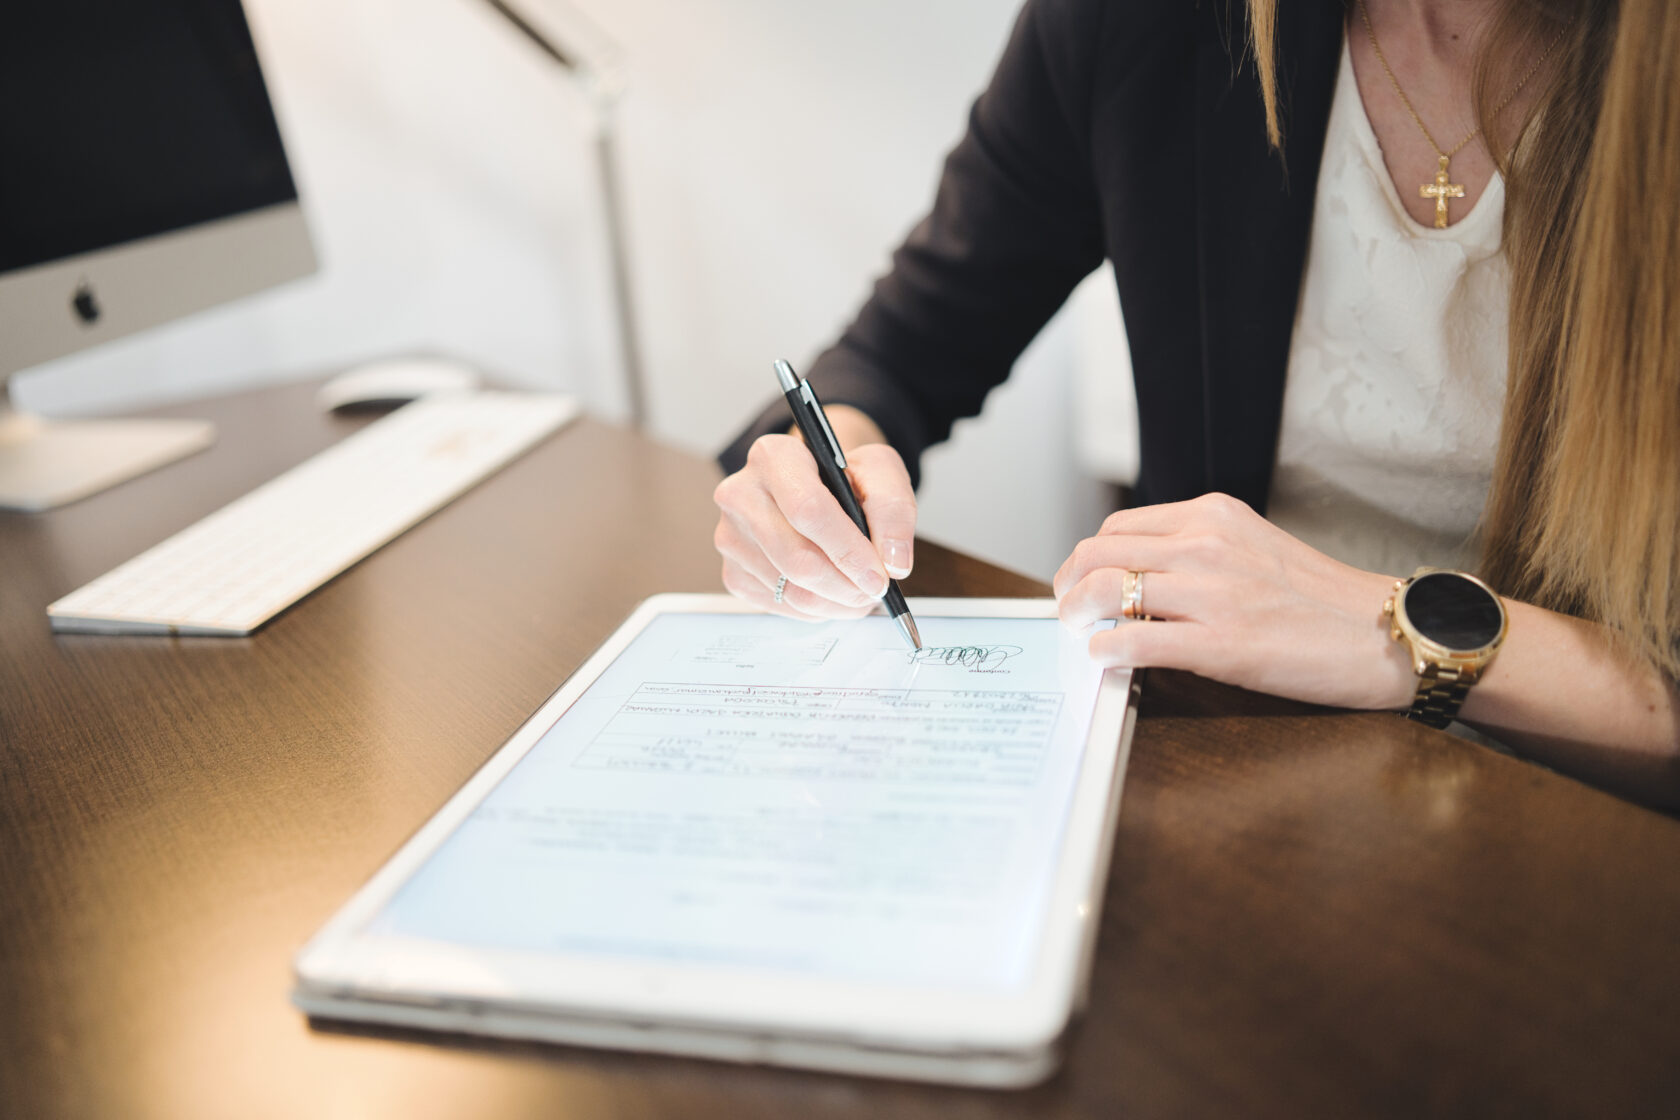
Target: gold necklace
(1443,188)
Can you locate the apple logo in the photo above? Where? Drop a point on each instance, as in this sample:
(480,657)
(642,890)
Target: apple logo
(87,307)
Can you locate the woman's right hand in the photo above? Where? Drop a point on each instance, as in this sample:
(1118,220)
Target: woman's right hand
(778,519)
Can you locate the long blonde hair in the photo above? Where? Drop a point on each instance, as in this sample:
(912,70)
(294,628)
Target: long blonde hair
(1583,514)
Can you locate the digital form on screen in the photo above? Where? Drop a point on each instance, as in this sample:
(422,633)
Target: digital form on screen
(748,791)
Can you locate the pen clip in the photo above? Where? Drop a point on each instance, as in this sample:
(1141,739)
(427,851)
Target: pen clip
(810,398)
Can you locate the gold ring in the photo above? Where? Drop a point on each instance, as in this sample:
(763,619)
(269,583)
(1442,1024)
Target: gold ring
(781,586)
(1131,595)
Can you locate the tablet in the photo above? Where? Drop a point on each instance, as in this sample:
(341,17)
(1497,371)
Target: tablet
(735,835)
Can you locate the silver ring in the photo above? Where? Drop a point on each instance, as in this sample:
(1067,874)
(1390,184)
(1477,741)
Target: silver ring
(781,586)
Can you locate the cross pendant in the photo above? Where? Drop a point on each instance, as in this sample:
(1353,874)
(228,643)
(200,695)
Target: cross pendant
(1441,190)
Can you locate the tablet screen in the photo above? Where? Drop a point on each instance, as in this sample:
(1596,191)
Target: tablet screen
(748,791)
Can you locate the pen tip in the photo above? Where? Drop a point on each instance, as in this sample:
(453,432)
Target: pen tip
(784,374)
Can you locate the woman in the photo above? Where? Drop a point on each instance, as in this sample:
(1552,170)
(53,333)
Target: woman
(1409,283)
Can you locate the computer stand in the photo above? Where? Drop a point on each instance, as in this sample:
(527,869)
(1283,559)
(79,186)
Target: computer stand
(47,463)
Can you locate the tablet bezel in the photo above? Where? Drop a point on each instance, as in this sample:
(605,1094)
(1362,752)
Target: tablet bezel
(344,965)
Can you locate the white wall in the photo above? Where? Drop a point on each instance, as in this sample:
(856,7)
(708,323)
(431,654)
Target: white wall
(774,152)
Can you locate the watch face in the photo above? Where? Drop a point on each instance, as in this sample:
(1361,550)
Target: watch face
(1450,610)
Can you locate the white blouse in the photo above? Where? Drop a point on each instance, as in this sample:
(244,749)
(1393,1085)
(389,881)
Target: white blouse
(1396,376)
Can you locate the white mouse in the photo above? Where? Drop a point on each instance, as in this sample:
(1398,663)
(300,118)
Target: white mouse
(393,382)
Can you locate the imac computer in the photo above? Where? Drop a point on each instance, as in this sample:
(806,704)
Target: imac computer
(142,178)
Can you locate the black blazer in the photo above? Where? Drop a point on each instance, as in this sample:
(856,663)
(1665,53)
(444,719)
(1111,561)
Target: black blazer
(1131,129)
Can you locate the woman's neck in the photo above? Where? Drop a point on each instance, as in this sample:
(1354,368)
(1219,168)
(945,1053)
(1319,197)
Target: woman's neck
(1446,29)
(1428,51)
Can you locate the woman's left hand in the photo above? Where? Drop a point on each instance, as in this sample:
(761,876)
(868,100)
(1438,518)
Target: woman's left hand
(1232,597)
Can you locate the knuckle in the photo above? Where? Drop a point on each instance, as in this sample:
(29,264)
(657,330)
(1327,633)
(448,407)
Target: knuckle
(1083,601)
(1059,585)
(805,567)
(895,508)
(882,464)
(1071,609)
(1085,557)
(765,449)
(1077,560)
(867,456)
(855,554)
(1221,507)
(809,511)
(734,580)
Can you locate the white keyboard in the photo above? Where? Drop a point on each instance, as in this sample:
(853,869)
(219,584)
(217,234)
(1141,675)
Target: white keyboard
(259,554)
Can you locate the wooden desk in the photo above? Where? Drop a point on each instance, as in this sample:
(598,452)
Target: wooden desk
(1310,913)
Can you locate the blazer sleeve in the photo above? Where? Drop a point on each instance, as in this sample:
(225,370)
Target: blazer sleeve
(1015,225)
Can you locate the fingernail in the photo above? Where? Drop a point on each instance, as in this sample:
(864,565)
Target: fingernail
(896,556)
(872,584)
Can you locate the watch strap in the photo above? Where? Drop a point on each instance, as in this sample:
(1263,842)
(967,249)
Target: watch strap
(1439,697)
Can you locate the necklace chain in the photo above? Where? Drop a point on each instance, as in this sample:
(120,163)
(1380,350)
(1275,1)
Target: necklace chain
(1371,32)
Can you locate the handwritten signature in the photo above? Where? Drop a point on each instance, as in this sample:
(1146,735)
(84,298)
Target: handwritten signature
(967,657)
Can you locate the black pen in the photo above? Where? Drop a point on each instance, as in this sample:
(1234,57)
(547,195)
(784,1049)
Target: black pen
(831,464)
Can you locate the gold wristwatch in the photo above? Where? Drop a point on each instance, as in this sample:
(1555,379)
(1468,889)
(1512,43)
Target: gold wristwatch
(1453,624)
